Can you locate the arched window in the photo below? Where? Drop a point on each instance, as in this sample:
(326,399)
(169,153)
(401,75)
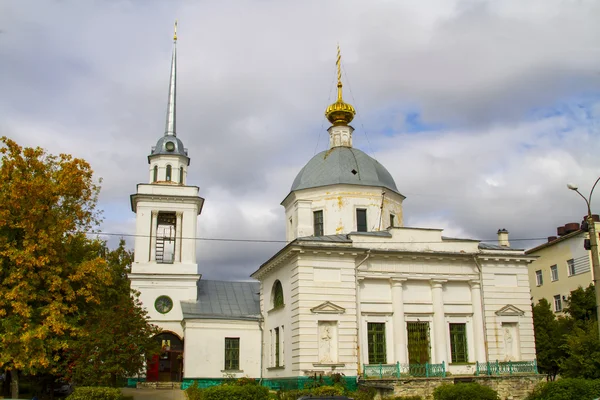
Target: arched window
(155,177)
(277,295)
(168,177)
(181,175)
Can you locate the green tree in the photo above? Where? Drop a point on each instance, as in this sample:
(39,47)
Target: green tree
(581,305)
(49,268)
(582,352)
(118,337)
(549,335)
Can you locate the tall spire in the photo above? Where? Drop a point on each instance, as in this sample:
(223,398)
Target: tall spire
(339,113)
(170,125)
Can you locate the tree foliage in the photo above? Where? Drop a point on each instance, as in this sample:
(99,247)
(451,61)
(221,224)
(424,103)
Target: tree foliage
(117,337)
(49,268)
(568,345)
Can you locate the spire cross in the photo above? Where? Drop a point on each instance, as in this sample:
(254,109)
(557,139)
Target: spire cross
(339,72)
(175,32)
(170,124)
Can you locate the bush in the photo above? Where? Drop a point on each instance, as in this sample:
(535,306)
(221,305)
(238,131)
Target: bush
(229,392)
(363,393)
(407,398)
(566,389)
(193,392)
(95,393)
(465,391)
(327,391)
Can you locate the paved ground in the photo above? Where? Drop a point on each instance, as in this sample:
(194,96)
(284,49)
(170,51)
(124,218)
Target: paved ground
(152,394)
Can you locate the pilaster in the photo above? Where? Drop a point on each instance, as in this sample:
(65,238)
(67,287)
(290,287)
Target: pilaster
(400,342)
(478,330)
(439,323)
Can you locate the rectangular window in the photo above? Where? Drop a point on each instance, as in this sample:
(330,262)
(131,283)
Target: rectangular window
(539,279)
(361,220)
(458,343)
(376,342)
(554,273)
(277,347)
(571,266)
(557,303)
(392,220)
(318,222)
(232,354)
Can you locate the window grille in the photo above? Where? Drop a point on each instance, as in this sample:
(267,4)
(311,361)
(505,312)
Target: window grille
(418,342)
(376,342)
(458,343)
(232,354)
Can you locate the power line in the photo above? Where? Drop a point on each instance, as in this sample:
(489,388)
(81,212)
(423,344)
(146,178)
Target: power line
(207,239)
(323,122)
(357,113)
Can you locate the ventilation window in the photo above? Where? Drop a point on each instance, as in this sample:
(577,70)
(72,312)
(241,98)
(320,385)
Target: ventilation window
(181,175)
(354,172)
(168,177)
(155,177)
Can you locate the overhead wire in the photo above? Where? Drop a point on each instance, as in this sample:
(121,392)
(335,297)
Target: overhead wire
(250,240)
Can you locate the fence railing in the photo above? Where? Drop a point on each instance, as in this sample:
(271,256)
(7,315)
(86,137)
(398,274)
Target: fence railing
(506,368)
(398,370)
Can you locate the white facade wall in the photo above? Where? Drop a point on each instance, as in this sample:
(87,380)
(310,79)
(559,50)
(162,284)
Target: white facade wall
(161,162)
(285,319)
(204,353)
(506,283)
(339,204)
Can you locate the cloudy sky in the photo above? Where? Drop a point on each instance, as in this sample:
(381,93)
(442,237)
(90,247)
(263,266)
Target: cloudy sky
(481,110)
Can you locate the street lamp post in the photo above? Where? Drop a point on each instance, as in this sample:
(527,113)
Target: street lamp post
(593,245)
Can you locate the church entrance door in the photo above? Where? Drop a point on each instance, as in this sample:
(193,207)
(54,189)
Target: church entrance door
(168,366)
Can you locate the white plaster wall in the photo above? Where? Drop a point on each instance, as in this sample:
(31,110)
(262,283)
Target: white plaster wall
(161,161)
(204,353)
(278,318)
(324,278)
(339,204)
(177,287)
(496,297)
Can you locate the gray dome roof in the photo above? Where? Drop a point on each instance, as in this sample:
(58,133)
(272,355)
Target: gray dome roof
(161,146)
(343,165)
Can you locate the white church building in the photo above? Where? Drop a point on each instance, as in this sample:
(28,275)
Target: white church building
(354,291)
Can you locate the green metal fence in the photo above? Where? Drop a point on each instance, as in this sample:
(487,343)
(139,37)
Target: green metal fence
(389,371)
(506,368)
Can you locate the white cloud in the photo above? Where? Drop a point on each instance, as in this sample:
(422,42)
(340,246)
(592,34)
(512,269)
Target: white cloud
(512,88)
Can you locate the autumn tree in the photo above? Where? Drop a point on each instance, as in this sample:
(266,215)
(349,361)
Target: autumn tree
(118,337)
(49,267)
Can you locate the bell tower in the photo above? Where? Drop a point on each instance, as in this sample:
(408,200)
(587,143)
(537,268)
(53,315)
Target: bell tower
(165,271)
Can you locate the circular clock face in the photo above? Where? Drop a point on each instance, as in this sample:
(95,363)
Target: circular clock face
(163,304)
(170,146)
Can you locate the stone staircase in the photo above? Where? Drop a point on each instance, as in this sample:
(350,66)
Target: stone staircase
(159,385)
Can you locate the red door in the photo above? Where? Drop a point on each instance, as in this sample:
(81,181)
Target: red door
(152,373)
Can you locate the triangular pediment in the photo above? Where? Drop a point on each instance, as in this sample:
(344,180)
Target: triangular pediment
(510,311)
(328,308)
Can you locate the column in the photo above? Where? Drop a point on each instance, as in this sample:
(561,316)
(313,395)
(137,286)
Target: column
(439,322)
(400,349)
(178,236)
(478,330)
(153,229)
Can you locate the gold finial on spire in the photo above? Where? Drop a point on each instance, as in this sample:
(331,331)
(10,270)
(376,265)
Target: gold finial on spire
(340,113)
(175,32)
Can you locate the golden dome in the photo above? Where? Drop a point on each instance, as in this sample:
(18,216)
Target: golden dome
(340,113)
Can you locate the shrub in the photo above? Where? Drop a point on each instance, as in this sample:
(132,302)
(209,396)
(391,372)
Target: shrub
(328,391)
(363,393)
(230,392)
(465,391)
(193,392)
(95,393)
(407,398)
(566,389)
